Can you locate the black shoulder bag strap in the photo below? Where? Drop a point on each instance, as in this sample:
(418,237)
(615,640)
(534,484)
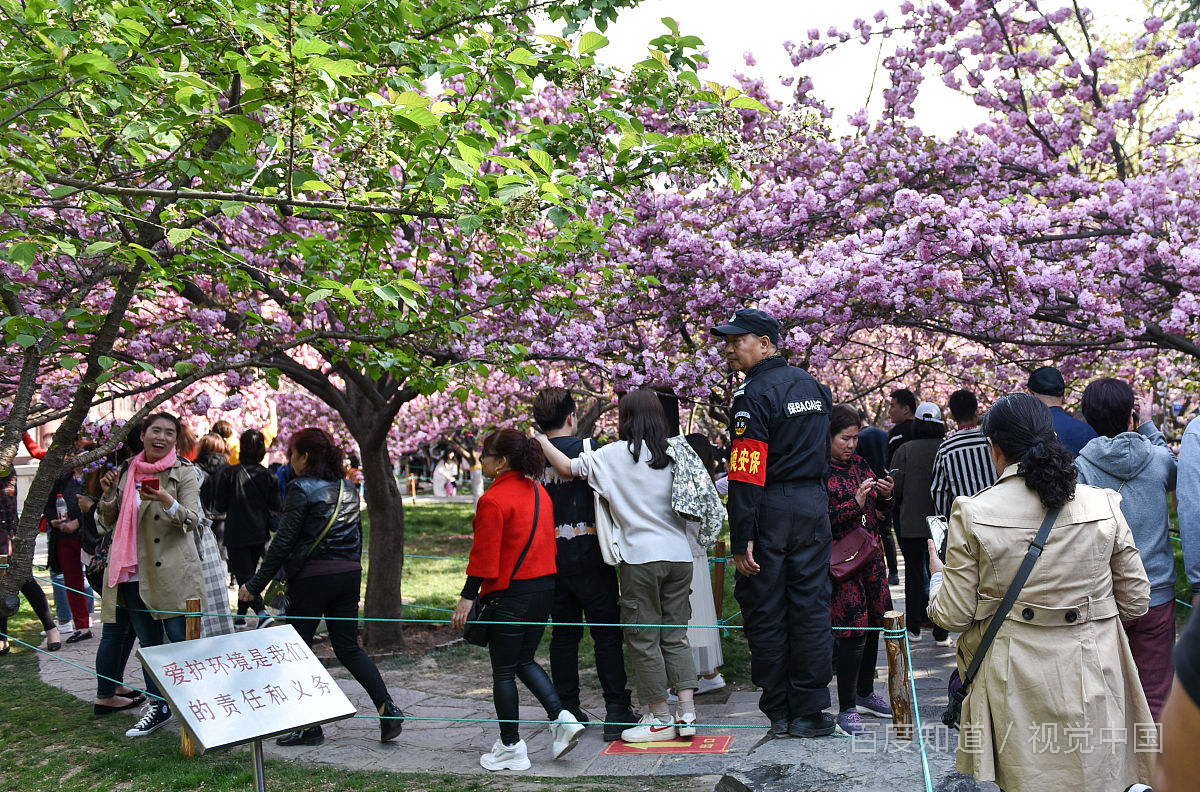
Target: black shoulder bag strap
(1031,557)
(537,511)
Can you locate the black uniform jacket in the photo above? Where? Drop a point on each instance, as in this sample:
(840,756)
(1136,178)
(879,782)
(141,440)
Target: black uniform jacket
(780,435)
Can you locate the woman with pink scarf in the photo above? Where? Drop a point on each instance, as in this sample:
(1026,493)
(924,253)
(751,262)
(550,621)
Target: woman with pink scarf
(150,505)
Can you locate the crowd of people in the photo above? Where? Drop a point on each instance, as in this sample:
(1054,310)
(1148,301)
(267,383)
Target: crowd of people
(819,506)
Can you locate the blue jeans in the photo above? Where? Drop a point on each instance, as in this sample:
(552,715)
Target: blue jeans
(62,608)
(112,655)
(148,629)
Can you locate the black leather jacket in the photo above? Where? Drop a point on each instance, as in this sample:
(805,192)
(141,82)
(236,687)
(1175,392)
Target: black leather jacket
(306,510)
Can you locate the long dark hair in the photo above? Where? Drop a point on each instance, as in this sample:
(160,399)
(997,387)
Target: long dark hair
(640,419)
(325,459)
(524,453)
(1021,426)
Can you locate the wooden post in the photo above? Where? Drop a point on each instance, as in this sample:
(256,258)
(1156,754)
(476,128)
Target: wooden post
(187,744)
(718,580)
(899,675)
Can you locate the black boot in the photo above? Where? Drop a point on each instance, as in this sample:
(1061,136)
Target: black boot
(391,722)
(310,736)
(617,720)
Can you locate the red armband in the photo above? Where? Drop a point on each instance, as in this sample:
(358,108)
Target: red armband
(748,462)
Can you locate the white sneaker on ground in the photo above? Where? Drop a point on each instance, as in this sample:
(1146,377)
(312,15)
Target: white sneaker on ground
(914,638)
(685,724)
(650,729)
(506,757)
(64,628)
(947,641)
(565,729)
(707,685)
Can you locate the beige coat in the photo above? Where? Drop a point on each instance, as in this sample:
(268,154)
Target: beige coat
(1057,704)
(168,564)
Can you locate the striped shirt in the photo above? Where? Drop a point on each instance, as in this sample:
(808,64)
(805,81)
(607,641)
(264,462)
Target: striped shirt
(962,467)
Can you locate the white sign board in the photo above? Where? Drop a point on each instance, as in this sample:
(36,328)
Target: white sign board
(232,689)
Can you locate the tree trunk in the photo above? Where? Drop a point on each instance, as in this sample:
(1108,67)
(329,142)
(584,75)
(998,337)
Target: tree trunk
(385,507)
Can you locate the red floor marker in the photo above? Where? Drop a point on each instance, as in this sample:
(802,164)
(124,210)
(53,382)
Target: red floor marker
(716,743)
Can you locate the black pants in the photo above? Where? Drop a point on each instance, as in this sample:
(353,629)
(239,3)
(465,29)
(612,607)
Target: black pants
(512,647)
(854,661)
(786,605)
(591,593)
(37,600)
(889,546)
(916,590)
(336,597)
(242,563)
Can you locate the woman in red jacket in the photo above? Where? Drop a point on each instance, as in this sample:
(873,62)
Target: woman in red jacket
(515,514)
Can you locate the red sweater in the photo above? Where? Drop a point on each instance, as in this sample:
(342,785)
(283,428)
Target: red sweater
(503,519)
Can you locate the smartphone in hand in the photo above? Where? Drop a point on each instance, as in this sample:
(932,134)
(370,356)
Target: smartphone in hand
(149,484)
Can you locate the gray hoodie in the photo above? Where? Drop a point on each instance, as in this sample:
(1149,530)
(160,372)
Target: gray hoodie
(1140,467)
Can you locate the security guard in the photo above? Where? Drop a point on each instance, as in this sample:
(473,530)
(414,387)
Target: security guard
(779,525)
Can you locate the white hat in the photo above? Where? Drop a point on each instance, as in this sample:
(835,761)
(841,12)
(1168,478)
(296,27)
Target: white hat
(928,411)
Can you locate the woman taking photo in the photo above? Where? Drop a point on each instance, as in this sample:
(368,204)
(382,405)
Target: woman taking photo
(150,505)
(635,477)
(319,544)
(856,498)
(1061,657)
(512,565)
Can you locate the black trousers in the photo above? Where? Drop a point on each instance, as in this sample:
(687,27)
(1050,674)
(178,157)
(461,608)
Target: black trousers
(511,647)
(242,562)
(854,660)
(336,597)
(786,605)
(590,594)
(916,587)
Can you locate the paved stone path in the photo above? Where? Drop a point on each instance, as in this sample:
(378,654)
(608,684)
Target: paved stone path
(753,761)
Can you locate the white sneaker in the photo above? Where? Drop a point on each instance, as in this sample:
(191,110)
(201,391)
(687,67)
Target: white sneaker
(945,642)
(914,638)
(650,729)
(506,757)
(685,723)
(707,685)
(565,729)
(64,628)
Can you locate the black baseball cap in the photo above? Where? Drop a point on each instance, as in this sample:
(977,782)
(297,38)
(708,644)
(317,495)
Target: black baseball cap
(750,320)
(1047,381)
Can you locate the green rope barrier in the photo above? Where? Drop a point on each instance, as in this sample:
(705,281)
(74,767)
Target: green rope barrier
(92,671)
(912,685)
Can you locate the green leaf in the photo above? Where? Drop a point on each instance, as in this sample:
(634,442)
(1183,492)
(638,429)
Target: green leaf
(470,223)
(338,68)
(91,62)
(591,42)
(315,185)
(316,295)
(25,341)
(522,57)
(672,25)
(105,362)
(177,236)
(557,41)
(23,255)
(559,216)
(542,160)
(749,103)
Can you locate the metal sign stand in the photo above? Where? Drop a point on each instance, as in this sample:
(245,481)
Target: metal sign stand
(260,779)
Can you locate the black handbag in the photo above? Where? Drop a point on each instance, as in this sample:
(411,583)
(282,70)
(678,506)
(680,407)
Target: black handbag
(953,712)
(483,611)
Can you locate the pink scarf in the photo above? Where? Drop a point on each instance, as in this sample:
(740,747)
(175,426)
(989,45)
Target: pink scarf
(122,555)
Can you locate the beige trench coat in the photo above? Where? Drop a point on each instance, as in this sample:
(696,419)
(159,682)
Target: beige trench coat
(1057,704)
(168,564)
